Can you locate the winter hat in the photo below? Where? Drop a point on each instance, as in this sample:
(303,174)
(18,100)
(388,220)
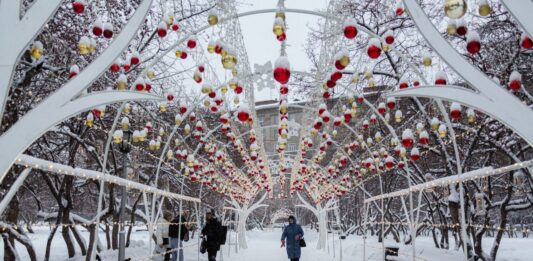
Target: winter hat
(293,218)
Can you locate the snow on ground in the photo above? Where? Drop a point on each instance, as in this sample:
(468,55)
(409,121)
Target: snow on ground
(265,246)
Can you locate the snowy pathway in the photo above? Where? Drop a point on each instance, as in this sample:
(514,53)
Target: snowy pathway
(265,246)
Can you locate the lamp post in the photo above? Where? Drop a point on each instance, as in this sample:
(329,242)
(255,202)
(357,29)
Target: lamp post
(123,139)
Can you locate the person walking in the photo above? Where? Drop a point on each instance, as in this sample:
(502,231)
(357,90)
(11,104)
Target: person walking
(162,234)
(178,233)
(211,235)
(292,234)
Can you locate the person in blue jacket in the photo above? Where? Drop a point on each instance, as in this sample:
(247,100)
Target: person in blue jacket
(292,234)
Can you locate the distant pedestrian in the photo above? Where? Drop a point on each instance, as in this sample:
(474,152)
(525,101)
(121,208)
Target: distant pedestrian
(292,234)
(163,240)
(178,233)
(211,236)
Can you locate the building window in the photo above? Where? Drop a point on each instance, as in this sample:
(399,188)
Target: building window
(292,147)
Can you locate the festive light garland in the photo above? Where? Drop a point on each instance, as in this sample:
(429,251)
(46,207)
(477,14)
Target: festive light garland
(52,167)
(472,175)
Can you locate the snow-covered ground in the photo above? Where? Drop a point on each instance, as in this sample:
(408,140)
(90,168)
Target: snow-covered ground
(265,246)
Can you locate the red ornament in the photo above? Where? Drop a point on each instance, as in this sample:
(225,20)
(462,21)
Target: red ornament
(526,41)
(175,26)
(162,29)
(461,28)
(335,76)
(283,89)
(170,97)
(282,75)
(135,59)
(399,11)
(326,95)
(243,115)
(98,28)
(515,81)
(108,30)
(183,55)
(350,29)
(238,89)
(282,37)
(473,44)
(374,48)
(191,43)
(115,67)
(78,6)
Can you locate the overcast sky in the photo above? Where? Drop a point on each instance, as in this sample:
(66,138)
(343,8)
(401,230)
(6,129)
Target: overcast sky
(261,44)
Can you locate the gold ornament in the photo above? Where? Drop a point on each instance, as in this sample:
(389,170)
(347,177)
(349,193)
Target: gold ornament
(278,29)
(212,19)
(455,9)
(484,9)
(427,61)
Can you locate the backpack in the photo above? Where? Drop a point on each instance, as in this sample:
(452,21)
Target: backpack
(223,231)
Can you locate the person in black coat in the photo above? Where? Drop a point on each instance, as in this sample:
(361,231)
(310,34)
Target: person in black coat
(211,234)
(178,232)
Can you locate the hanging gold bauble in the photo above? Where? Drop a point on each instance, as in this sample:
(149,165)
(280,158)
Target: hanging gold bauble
(224,89)
(84,49)
(344,61)
(121,85)
(278,29)
(455,9)
(234,72)
(280,14)
(36,53)
(385,47)
(178,53)
(229,61)
(150,74)
(427,61)
(210,48)
(236,100)
(484,9)
(451,29)
(212,19)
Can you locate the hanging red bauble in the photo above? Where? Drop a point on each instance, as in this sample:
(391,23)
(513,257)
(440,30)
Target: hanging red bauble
(515,81)
(326,95)
(115,67)
(170,96)
(201,68)
(183,109)
(162,29)
(366,124)
(191,43)
(415,154)
(74,70)
(381,108)
(441,78)
(335,76)
(283,89)
(350,29)
(525,41)
(175,26)
(238,89)
(183,55)
(399,9)
(243,114)
(391,103)
(461,28)
(416,83)
(135,59)
(212,94)
(282,37)
(473,44)
(374,48)
(347,116)
(388,37)
(330,83)
(455,111)
(98,28)
(407,138)
(108,30)
(78,6)
(282,71)
(148,86)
